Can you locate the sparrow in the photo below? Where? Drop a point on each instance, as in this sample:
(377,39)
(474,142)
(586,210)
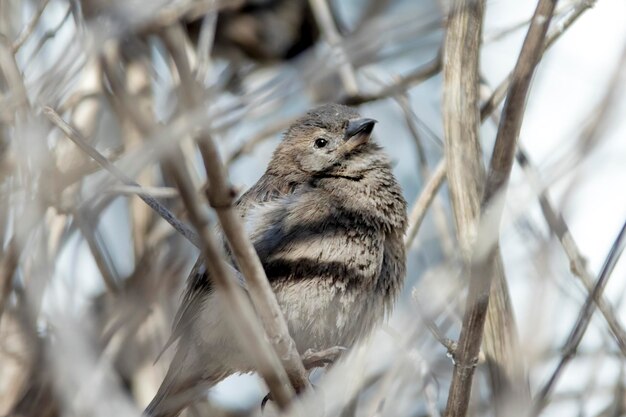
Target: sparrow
(327,220)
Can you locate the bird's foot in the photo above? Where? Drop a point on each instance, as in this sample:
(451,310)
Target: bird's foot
(319,359)
(313,359)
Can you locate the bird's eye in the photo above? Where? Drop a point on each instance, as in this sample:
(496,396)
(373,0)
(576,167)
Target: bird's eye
(320,142)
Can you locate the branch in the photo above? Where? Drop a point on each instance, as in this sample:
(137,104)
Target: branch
(482,270)
(463,159)
(583,320)
(416,76)
(29,28)
(423,201)
(159,208)
(221,197)
(245,324)
(326,23)
(499,93)
(243,319)
(578,266)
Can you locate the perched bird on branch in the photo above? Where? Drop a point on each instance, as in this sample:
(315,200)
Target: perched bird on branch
(327,219)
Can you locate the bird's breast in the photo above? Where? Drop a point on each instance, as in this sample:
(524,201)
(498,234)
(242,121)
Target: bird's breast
(324,314)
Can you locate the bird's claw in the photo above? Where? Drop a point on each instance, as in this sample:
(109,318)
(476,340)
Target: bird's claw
(267,398)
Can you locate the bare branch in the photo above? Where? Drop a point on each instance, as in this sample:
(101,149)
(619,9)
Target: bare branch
(416,76)
(483,269)
(583,320)
(500,91)
(111,281)
(327,26)
(29,28)
(464,169)
(159,208)
(221,197)
(245,323)
(578,265)
(423,201)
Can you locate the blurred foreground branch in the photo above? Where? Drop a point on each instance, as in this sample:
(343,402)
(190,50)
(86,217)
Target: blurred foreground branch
(221,197)
(245,323)
(464,27)
(583,320)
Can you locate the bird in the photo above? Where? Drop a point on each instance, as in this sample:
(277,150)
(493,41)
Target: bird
(327,220)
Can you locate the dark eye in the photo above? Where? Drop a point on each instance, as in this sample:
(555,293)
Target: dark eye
(320,142)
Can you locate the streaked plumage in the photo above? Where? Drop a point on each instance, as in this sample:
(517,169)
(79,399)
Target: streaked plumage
(327,223)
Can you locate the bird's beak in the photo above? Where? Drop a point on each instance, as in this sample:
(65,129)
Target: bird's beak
(358,132)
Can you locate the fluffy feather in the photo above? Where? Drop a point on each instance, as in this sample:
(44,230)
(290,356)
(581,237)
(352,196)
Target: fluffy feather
(327,223)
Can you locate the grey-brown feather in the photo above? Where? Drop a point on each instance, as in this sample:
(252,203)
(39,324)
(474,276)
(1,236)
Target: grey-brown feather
(331,244)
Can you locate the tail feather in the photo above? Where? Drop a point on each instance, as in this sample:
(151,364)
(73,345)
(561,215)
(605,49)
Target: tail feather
(184,383)
(177,389)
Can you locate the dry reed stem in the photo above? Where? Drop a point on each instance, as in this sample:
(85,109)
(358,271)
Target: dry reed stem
(483,268)
(221,197)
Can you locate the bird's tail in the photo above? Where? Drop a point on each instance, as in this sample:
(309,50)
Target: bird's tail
(183,384)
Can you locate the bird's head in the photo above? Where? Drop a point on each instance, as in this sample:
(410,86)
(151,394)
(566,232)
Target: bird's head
(331,139)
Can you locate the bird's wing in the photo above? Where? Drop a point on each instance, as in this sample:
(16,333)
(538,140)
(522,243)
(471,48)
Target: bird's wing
(306,234)
(189,305)
(199,284)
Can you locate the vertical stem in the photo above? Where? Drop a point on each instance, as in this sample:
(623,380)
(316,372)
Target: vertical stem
(484,265)
(325,20)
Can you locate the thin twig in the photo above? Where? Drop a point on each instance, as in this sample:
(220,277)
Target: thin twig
(559,227)
(416,76)
(437,333)
(29,28)
(265,134)
(326,23)
(583,320)
(423,201)
(578,265)
(50,34)
(159,208)
(101,258)
(500,91)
